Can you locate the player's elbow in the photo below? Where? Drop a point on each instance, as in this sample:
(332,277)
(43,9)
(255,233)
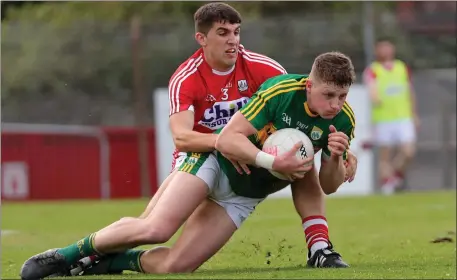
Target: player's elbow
(220,144)
(181,142)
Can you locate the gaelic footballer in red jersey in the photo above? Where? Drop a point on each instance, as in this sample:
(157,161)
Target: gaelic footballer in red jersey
(215,96)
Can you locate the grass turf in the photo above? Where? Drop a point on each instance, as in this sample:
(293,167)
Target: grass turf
(380,237)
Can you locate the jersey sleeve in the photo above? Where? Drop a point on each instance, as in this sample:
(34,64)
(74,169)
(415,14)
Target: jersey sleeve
(182,93)
(346,125)
(271,69)
(264,104)
(369,75)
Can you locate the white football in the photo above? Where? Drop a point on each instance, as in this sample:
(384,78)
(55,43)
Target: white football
(283,140)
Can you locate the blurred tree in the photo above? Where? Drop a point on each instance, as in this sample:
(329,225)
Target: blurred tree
(67,12)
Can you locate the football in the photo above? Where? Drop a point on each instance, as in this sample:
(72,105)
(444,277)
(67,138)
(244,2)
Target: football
(282,141)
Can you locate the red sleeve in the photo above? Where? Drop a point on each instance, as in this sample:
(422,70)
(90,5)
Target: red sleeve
(264,66)
(182,93)
(369,75)
(270,71)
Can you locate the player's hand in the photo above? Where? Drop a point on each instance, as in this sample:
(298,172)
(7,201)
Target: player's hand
(291,166)
(338,142)
(240,167)
(351,167)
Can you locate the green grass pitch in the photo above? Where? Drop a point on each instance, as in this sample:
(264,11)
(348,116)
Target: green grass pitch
(380,237)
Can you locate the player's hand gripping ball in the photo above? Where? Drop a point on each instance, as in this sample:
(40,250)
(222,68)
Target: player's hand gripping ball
(283,141)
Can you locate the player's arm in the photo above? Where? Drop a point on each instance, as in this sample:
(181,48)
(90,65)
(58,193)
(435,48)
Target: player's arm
(370,82)
(185,138)
(255,115)
(258,112)
(333,171)
(182,100)
(412,96)
(233,140)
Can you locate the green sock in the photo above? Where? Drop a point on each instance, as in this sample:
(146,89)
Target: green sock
(79,250)
(128,260)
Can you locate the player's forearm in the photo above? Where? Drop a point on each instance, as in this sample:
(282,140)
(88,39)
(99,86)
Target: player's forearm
(374,96)
(331,174)
(237,147)
(193,141)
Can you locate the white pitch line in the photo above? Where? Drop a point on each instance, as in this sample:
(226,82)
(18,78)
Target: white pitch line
(6,232)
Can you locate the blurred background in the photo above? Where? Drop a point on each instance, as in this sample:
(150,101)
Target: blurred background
(78,80)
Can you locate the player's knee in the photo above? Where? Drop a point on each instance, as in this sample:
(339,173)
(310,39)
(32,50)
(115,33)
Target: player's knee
(408,152)
(329,190)
(155,234)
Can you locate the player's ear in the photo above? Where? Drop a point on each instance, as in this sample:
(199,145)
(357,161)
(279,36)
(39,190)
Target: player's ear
(201,39)
(308,84)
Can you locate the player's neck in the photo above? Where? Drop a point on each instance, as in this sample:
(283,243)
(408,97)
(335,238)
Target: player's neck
(385,61)
(217,68)
(310,108)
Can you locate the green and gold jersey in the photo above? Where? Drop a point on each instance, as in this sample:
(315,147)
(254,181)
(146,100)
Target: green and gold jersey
(281,102)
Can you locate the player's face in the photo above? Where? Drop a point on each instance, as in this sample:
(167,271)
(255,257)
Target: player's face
(221,44)
(385,51)
(326,100)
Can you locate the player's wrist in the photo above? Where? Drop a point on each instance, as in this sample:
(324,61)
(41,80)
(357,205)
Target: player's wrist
(264,160)
(213,140)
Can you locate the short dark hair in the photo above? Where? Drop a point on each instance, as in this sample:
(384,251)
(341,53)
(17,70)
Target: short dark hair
(384,39)
(334,68)
(208,14)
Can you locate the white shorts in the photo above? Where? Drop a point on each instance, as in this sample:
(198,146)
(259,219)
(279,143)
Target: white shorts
(394,133)
(206,167)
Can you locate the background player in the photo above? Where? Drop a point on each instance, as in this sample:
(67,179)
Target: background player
(394,114)
(211,211)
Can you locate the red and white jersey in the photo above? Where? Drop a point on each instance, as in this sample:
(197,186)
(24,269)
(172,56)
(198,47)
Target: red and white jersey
(215,96)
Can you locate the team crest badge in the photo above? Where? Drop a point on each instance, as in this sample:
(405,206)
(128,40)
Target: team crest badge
(242,85)
(316,133)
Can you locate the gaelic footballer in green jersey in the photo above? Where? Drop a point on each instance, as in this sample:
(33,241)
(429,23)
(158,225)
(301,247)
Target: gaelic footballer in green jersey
(315,104)
(281,102)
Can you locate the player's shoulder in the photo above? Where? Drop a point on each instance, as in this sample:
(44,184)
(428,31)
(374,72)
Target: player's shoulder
(283,87)
(346,117)
(260,62)
(287,79)
(186,73)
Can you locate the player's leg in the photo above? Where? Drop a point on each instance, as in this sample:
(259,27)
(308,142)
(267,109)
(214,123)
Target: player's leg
(182,196)
(89,261)
(208,229)
(204,233)
(309,201)
(406,132)
(152,203)
(385,140)
(177,162)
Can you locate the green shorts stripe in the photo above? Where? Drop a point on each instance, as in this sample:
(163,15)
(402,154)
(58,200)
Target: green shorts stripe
(193,162)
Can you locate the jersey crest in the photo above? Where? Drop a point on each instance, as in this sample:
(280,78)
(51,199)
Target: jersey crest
(316,133)
(242,85)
